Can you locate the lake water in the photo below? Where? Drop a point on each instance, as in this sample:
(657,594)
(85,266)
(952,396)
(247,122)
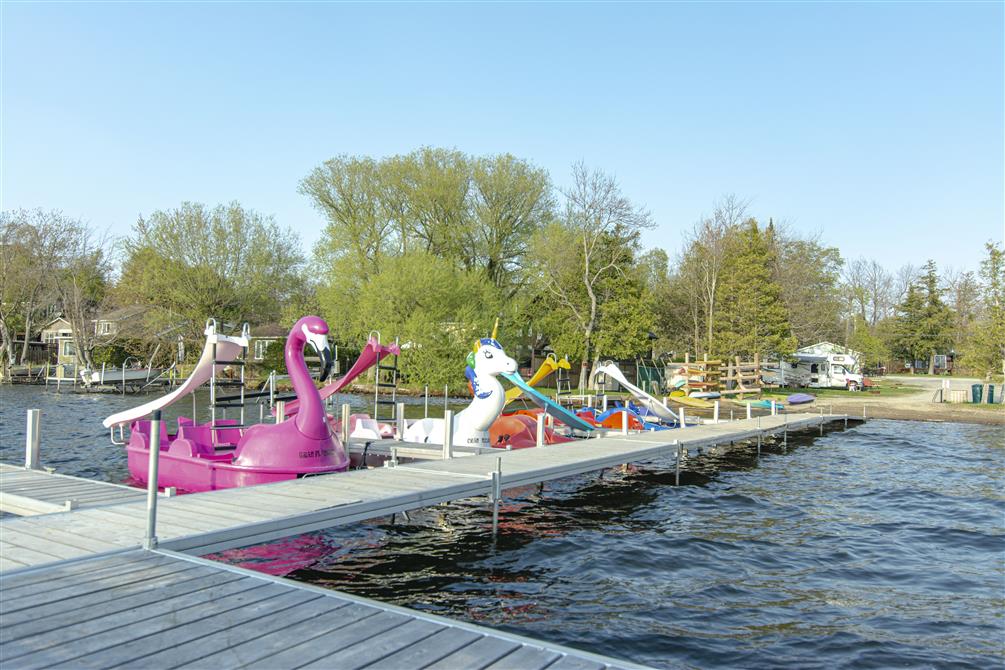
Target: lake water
(880,546)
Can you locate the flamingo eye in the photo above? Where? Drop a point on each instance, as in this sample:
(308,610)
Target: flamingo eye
(488,354)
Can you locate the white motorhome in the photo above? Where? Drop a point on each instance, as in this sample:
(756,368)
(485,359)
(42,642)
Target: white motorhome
(823,365)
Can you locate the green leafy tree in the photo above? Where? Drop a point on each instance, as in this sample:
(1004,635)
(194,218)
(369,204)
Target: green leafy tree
(809,274)
(478,212)
(625,324)
(985,350)
(871,345)
(193,263)
(576,258)
(435,309)
(752,316)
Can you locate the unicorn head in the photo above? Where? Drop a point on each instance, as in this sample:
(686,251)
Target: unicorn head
(487,359)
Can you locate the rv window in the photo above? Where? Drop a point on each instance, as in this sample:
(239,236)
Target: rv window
(814,368)
(795,365)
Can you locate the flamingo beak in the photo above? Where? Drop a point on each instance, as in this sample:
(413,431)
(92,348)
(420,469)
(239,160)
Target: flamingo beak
(319,343)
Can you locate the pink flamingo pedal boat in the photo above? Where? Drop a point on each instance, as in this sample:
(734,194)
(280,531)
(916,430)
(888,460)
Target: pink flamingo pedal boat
(224,455)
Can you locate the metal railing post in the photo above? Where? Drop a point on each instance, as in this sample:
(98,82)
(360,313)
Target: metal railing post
(448,434)
(399,411)
(624,422)
(446,397)
(31,440)
(496,495)
(344,425)
(540,430)
(677,472)
(748,409)
(425,411)
(715,412)
(683,423)
(155,447)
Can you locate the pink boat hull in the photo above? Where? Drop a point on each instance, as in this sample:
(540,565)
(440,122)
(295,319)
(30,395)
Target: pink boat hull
(188,462)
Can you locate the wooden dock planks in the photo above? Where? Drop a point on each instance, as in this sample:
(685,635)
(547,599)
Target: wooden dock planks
(158,609)
(29,492)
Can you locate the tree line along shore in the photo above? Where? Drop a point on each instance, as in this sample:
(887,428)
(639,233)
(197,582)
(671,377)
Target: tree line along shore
(432,246)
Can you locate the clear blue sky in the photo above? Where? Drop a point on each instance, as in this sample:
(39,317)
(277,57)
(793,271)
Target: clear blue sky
(879,125)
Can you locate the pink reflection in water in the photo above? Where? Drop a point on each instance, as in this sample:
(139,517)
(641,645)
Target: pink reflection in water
(281,557)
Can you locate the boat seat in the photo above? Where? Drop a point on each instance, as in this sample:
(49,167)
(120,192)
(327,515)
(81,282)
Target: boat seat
(142,428)
(228,436)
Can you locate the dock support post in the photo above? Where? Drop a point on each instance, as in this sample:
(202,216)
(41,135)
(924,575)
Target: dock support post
(446,397)
(150,541)
(604,402)
(758,444)
(496,495)
(425,410)
(715,412)
(399,411)
(540,430)
(31,440)
(624,422)
(863,412)
(344,425)
(846,422)
(677,471)
(774,409)
(785,433)
(748,409)
(682,421)
(448,434)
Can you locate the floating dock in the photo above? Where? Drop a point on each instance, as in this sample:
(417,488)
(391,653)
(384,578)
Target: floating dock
(27,492)
(203,523)
(81,547)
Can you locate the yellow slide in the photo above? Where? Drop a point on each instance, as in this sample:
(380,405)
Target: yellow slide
(551,363)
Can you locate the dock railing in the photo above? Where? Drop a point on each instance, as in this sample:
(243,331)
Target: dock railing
(150,541)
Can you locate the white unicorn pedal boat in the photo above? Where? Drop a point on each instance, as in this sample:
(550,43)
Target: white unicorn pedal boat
(471,425)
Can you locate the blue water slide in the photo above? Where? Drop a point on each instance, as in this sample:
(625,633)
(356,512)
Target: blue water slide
(547,404)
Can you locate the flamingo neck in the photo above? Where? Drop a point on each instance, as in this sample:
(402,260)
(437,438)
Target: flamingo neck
(310,419)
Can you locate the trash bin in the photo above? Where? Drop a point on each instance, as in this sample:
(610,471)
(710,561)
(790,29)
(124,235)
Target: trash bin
(976,393)
(991,394)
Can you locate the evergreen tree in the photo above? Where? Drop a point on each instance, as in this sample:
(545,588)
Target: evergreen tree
(985,350)
(752,317)
(924,322)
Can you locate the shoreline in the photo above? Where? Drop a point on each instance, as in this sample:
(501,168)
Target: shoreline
(934,413)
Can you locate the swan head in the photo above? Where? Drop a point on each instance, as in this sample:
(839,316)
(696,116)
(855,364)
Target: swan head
(488,358)
(315,333)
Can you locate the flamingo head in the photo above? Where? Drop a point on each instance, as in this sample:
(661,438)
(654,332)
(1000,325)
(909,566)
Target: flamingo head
(314,330)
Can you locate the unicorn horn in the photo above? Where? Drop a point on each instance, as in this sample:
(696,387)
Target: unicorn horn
(495,328)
